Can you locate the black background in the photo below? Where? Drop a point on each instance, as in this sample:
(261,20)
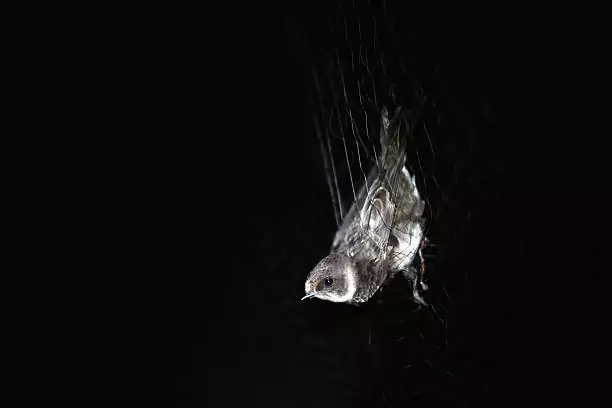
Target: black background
(64,8)
(235,212)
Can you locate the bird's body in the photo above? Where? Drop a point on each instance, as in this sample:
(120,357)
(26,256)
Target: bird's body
(381,233)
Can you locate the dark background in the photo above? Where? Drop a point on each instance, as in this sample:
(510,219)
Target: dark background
(235,212)
(64,8)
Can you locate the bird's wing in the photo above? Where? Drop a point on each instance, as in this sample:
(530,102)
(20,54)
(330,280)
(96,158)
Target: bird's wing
(371,216)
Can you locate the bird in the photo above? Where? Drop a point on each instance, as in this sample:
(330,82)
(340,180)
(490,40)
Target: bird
(383,230)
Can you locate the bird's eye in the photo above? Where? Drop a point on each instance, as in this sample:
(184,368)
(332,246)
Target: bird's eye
(328,281)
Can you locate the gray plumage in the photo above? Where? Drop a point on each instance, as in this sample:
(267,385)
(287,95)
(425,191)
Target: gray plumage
(381,233)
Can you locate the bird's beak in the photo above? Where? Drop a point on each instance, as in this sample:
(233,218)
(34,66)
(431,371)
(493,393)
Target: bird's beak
(308,295)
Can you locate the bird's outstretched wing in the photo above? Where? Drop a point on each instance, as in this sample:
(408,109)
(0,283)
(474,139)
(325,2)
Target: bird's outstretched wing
(371,218)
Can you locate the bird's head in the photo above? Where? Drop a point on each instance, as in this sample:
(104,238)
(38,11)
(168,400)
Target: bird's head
(334,279)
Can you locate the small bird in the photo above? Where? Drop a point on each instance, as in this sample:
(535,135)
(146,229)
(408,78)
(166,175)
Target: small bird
(382,232)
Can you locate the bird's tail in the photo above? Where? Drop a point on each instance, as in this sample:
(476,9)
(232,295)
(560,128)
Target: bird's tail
(393,140)
(394,136)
